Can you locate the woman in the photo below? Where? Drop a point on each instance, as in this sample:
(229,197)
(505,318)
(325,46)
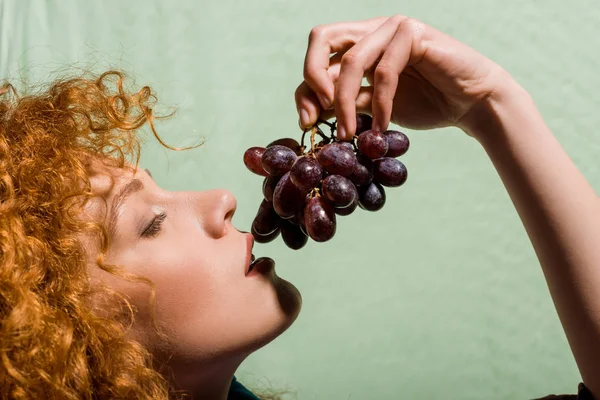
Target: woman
(114,288)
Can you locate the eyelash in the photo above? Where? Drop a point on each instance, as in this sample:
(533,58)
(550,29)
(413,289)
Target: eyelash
(154,228)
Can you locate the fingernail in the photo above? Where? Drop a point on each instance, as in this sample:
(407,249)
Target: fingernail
(324,101)
(303,118)
(341,132)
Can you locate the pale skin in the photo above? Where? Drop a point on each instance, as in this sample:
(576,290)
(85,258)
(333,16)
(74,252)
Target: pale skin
(212,314)
(420,78)
(426,79)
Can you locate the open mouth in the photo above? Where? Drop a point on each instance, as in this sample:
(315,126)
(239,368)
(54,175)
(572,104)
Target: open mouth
(252,260)
(261,266)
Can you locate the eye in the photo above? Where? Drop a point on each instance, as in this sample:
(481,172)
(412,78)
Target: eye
(154,227)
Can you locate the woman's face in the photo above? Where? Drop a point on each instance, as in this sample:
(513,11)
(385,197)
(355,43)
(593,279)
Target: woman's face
(185,243)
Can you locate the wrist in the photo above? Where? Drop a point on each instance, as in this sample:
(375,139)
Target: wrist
(487,118)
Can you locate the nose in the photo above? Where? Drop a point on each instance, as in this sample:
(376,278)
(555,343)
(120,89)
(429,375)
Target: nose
(217,208)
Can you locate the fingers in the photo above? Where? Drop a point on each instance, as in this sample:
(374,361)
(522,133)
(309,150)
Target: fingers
(307,106)
(385,77)
(380,49)
(325,40)
(306,99)
(307,103)
(355,63)
(364,100)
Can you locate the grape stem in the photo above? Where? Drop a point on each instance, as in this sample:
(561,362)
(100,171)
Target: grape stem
(332,127)
(329,124)
(314,130)
(320,132)
(302,140)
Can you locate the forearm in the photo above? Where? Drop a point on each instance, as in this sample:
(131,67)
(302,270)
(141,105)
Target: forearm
(560,212)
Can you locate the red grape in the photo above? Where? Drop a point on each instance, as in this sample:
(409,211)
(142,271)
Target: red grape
(347,145)
(363,123)
(304,189)
(293,236)
(363,172)
(337,159)
(306,173)
(268,187)
(319,219)
(298,219)
(265,238)
(372,144)
(289,143)
(252,160)
(266,220)
(339,190)
(287,197)
(302,227)
(372,198)
(348,209)
(389,171)
(398,143)
(277,159)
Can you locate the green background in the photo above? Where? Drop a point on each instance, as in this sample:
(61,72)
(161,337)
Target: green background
(437,296)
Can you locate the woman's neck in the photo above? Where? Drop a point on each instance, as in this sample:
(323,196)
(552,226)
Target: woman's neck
(200,380)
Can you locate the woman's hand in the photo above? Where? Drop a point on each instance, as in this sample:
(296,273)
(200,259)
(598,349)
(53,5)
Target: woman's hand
(419,78)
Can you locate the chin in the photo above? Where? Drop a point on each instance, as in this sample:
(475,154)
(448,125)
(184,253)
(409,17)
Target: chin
(285,309)
(289,298)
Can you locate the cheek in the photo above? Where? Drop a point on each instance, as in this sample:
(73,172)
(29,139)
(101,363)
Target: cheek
(190,279)
(179,272)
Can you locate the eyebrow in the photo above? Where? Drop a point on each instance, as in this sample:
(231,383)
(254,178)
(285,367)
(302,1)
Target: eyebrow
(132,186)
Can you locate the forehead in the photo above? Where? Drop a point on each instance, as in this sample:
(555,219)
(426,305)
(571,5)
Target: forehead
(105,180)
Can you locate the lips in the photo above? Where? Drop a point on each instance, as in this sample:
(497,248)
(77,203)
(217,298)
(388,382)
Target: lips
(256,265)
(250,258)
(261,266)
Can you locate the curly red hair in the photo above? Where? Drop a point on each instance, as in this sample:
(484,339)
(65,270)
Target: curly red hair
(52,343)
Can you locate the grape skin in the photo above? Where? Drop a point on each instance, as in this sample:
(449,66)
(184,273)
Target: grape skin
(372,144)
(277,160)
(287,197)
(363,172)
(337,159)
(306,173)
(293,236)
(364,122)
(372,198)
(319,219)
(343,211)
(265,238)
(266,220)
(389,171)
(398,143)
(339,190)
(347,145)
(253,160)
(268,187)
(289,143)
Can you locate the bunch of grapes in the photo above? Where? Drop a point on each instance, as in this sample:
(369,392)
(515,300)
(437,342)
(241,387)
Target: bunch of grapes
(305,190)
